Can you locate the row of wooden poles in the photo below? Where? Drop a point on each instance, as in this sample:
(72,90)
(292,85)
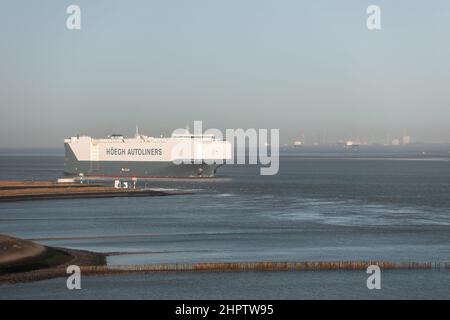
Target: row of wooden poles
(263,266)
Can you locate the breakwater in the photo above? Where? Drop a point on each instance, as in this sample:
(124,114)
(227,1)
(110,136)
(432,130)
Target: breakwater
(47,190)
(263,266)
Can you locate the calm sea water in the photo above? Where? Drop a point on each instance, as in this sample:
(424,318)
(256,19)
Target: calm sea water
(324,206)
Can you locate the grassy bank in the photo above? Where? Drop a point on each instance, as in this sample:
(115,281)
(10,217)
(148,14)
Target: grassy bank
(48,259)
(22,260)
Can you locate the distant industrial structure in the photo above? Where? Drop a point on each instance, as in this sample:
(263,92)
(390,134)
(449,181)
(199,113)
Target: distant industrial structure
(405,140)
(355,141)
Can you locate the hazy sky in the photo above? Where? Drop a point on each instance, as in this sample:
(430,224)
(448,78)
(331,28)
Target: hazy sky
(305,67)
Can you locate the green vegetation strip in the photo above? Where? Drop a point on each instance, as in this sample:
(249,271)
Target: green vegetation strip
(48,259)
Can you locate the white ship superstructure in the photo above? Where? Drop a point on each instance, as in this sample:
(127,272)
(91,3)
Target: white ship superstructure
(184,155)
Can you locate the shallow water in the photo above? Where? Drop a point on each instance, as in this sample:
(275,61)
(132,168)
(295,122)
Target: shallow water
(395,284)
(317,208)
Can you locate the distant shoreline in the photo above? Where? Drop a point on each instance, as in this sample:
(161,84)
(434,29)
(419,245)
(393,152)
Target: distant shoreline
(285,149)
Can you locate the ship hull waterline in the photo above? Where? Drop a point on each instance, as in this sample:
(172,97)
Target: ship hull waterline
(128,169)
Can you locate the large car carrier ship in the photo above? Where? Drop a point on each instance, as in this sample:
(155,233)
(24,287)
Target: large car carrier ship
(116,156)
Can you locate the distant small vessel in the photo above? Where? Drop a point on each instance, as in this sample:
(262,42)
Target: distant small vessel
(351,144)
(298,143)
